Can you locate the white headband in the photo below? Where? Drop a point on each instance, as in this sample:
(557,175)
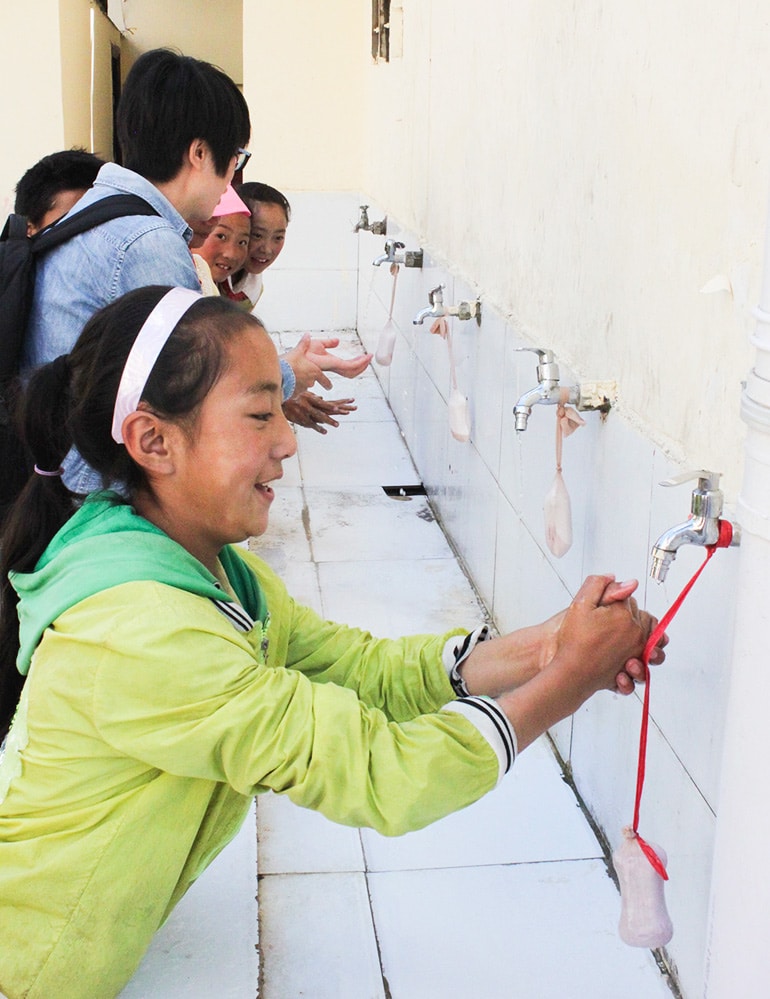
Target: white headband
(150,341)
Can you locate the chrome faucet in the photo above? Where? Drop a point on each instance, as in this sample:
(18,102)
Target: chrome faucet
(436,307)
(547,392)
(463,310)
(704,526)
(378,228)
(391,254)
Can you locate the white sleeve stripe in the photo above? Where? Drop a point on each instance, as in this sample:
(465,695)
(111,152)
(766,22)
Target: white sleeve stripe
(456,651)
(491,722)
(237,616)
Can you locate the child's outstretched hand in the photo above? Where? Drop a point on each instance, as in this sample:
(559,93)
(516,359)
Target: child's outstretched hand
(310,359)
(310,410)
(348,367)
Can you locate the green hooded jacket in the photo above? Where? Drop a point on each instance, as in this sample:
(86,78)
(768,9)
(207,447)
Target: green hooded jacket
(153,712)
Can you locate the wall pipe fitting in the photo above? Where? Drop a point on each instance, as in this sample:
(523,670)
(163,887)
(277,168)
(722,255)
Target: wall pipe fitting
(737,956)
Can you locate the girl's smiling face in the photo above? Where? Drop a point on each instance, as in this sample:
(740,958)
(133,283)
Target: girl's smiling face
(218,491)
(268,232)
(226,246)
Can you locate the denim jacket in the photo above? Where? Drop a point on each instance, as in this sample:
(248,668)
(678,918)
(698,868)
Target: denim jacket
(93,269)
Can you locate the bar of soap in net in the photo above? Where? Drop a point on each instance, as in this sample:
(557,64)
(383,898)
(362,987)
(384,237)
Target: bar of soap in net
(557,514)
(459,419)
(644,919)
(385,345)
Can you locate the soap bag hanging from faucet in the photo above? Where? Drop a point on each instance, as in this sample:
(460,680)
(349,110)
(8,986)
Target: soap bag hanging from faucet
(557,509)
(457,407)
(387,341)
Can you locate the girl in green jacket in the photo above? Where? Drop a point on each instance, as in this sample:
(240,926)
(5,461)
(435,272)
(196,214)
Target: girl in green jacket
(159,678)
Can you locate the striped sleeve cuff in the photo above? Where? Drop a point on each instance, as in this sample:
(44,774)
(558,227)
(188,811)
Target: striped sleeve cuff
(490,720)
(456,651)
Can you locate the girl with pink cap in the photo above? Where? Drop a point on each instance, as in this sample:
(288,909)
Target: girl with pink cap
(221,245)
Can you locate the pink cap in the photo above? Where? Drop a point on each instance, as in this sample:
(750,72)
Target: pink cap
(230,204)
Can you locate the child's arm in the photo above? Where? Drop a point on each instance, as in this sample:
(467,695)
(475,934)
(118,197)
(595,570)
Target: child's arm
(309,410)
(311,358)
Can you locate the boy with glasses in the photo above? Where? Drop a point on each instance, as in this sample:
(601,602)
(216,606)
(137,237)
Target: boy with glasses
(182,126)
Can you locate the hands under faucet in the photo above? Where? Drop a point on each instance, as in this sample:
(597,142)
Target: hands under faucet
(543,674)
(311,358)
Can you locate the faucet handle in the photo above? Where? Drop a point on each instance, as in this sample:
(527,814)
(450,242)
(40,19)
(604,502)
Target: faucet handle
(706,480)
(707,497)
(547,368)
(544,356)
(436,296)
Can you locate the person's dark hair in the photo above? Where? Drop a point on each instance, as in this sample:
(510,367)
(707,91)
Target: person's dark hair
(253,191)
(71,401)
(167,102)
(68,170)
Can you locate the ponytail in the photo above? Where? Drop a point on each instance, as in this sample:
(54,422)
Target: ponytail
(72,401)
(38,513)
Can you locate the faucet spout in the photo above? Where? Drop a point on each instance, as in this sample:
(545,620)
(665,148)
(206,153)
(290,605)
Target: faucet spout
(363,220)
(423,314)
(391,255)
(544,393)
(364,225)
(435,309)
(547,392)
(704,526)
(701,531)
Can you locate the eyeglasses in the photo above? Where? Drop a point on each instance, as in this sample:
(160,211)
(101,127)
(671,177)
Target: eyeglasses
(242,157)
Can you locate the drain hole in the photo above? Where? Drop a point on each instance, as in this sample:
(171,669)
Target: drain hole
(404,492)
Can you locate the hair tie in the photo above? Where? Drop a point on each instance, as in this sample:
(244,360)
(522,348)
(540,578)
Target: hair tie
(149,342)
(41,471)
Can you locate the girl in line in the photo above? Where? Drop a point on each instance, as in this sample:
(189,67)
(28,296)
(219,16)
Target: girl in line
(219,249)
(219,246)
(166,677)
(270,216)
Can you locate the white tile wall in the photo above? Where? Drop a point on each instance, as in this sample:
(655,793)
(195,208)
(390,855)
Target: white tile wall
(489,496)
(320,256)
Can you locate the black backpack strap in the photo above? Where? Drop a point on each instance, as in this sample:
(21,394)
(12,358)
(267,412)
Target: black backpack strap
(115,206)
(15,228)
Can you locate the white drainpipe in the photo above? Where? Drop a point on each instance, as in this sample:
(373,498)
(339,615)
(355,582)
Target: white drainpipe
(738,953)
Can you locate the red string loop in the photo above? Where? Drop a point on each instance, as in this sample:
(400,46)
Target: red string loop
(725,537)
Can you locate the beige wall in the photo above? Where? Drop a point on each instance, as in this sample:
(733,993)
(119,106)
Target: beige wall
(199,28)
(105,36)
(600,173)
(51,38)
(75,34)
(304,75)
(31,118)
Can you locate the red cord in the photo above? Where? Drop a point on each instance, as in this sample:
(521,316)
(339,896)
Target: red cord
(725,538)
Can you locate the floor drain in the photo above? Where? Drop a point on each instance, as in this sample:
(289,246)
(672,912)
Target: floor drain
(404,492)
